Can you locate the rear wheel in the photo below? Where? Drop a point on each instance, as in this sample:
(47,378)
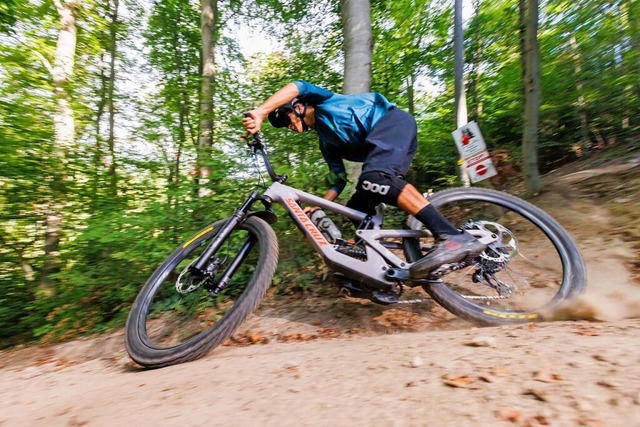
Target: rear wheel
(530,267)
(178,316)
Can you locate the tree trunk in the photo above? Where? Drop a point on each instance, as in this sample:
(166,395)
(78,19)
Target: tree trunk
(62,70)
(458,66)
(184,123)
(358,44)
(478,65)
(97,150)
(634,27)
(411,83)
(582,110)
(113,177)
(531,56)
(64,129)
(27,268)
(633,67)
(208,18)
(522,16)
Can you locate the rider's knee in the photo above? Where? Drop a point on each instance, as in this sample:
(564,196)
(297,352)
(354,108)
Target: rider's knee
(381,187)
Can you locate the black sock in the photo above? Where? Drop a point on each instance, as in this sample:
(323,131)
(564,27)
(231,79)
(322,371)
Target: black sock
(435,222)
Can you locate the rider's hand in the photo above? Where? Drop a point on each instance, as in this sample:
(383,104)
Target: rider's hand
(253,121)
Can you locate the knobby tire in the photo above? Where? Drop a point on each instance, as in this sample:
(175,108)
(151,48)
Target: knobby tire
(571,264)
(152,353)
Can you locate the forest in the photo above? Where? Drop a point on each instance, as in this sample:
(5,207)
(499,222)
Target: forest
(120,121)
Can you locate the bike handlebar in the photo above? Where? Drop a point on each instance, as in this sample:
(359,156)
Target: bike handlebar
(257,146)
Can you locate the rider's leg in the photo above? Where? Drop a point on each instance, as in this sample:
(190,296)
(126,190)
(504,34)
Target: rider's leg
(393,143)
(451,244)
(411,201)
(360,201)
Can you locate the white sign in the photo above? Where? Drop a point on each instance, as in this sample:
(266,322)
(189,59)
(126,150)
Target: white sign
(480,167)
(469,140)
(473,152)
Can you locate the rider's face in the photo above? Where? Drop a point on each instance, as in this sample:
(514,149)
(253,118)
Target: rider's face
(295,123)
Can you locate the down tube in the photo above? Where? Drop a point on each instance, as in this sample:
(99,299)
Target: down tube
(371,271)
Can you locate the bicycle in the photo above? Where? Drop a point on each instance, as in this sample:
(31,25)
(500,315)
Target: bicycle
(212,282)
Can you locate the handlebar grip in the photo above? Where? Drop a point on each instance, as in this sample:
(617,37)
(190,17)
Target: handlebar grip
(257,142)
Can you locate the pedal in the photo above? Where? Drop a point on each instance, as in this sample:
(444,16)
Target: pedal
(350,288)
(385,298)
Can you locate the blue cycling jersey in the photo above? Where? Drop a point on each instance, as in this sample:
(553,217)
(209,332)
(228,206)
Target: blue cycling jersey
(343,123)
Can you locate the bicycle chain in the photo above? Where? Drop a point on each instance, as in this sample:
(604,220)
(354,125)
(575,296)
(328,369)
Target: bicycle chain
(414,301)
(484,297)
(476,297)
(410,301)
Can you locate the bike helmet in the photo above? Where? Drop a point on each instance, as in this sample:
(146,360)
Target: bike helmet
(279,118)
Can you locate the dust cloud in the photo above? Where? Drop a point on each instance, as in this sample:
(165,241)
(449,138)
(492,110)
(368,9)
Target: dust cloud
(611,294)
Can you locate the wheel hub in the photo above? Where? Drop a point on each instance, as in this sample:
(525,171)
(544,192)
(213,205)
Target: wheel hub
(191,279)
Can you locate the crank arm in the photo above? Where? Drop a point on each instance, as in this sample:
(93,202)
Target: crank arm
(402,275)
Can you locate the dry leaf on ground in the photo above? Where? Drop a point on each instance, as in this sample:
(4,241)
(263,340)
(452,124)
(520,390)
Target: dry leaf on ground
(463,381)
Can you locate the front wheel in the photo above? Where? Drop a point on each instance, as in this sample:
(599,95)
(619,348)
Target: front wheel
(531,266)
(179,316)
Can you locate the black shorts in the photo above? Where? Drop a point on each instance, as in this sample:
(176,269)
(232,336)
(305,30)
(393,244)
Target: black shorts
(393,143)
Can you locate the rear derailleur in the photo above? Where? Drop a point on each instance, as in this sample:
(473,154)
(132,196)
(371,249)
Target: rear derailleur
(489,279)
(484,274)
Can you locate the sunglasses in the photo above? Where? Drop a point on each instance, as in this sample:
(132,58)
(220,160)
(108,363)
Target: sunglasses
(286,120)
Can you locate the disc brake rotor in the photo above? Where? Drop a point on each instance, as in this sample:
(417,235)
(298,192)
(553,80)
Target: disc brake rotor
(505,246)
(187,283)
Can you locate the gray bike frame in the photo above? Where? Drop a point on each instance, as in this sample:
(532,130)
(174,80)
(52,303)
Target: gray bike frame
(371,271)
(379,259)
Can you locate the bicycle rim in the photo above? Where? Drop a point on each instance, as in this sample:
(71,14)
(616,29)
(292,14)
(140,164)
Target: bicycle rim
(531,267)
(179,317)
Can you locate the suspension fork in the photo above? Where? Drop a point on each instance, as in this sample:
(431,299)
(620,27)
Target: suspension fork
(237,261)
(238,216)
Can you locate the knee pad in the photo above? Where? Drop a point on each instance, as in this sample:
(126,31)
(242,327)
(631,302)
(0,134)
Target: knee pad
(381,187)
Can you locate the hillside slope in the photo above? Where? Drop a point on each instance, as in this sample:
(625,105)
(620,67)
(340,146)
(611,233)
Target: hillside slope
(324,360)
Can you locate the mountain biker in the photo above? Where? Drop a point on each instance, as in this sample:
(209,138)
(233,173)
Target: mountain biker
(366,128)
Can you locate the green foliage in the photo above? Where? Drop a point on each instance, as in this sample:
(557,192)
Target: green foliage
(125,207)
(410,38)
(9,9)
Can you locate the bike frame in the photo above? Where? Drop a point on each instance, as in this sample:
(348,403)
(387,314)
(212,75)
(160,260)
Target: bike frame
(382,268)
(373,270)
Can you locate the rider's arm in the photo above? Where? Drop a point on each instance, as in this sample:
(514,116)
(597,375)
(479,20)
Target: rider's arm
(331,194)
(307,92)
(336,179)
(312,94)
(253,123)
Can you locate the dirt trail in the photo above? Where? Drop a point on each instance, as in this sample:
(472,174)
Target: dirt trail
(328,361)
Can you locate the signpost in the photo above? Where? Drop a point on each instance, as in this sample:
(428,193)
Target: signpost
(473,152)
